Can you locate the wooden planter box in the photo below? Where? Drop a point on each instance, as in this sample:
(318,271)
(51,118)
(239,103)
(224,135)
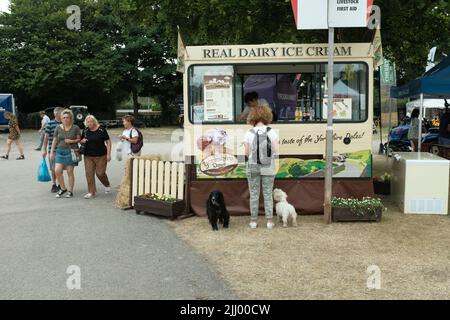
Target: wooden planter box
(345,215)
(160,208)
(383,188)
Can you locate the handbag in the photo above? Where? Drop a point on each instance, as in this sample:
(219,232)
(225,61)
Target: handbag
(75,153)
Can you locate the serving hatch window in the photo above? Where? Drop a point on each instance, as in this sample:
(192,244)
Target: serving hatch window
(295,93)
(211,93)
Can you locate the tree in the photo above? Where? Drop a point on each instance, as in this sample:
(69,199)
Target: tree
(129,46)
(145,58)
(409,28)
(45,62)
(118,52)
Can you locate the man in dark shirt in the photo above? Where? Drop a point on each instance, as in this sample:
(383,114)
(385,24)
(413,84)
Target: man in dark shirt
(444,124)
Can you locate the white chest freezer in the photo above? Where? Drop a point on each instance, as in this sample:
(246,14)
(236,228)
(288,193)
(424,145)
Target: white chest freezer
(420,183)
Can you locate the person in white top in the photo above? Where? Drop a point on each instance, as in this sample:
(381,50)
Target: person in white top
(45,120)
(129,136)
(261,148)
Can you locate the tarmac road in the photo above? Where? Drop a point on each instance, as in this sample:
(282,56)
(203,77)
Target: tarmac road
(120,255)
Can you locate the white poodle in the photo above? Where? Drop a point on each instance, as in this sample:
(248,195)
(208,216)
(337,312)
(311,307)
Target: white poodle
(283,209)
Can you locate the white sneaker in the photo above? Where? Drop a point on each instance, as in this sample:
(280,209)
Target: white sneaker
(69,194)
(107,190)
(270,225)
(89,196)
(253,224)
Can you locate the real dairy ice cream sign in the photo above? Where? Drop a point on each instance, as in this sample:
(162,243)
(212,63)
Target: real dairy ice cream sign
(313,14)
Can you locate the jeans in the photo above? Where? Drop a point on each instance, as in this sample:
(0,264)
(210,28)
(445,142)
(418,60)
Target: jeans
(41,139)
(255,179)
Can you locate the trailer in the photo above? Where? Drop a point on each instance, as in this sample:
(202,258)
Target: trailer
(146,117)
(292,78)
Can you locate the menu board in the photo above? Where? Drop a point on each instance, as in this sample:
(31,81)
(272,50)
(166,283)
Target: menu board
(342,109)
(218,92)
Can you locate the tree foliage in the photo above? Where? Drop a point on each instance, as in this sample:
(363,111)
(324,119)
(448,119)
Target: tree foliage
(45,62)
(129,46)
(116,53)
(409,28)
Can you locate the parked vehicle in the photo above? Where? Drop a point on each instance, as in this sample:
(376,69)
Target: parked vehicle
(110,123)
(399,142)
(79,115)
(6,104)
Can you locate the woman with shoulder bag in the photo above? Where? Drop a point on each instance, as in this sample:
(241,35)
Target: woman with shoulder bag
(96,146)
(65,152)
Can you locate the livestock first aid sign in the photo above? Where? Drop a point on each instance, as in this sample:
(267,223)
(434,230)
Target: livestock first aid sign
(313,14)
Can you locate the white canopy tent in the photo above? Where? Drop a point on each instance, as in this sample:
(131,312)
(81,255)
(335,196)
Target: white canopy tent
(434,84)
(427,104)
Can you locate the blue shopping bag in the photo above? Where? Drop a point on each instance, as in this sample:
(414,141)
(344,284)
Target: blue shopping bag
(43,174)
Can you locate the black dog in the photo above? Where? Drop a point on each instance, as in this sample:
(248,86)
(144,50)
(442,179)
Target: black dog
(217,211)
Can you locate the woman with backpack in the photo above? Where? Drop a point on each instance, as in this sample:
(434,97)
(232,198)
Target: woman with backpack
(97,154)
(131,138)
(261,147)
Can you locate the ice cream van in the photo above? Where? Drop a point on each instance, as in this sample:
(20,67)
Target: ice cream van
(292,79)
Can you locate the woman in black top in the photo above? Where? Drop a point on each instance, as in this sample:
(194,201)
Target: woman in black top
(97,154)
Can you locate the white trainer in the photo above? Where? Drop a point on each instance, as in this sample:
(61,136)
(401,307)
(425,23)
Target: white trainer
(89,196)
(253,224)
(107,190)
(270,225)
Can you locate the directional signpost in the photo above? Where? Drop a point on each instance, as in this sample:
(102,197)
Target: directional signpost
(330,14)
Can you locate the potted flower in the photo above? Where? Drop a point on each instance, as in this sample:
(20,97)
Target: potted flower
(382,185)
(159,205)
(351,209)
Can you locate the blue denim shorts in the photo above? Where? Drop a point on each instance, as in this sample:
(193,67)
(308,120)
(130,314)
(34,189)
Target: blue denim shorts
(64,157)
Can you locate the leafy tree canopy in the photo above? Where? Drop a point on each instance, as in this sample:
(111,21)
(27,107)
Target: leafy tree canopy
(128,46)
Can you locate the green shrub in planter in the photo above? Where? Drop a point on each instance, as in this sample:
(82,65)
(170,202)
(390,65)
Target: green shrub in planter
(351,209)
(159,205)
